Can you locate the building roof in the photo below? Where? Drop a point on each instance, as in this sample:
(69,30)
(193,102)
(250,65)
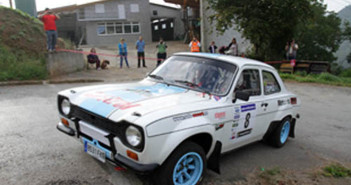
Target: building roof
(73,7)
(165,6)
(191,3)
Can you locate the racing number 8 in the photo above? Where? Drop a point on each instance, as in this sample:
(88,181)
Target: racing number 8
(247,120)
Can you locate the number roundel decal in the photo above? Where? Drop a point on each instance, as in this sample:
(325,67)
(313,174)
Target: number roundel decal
(247,120)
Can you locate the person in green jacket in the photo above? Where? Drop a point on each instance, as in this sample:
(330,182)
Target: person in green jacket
(161,51)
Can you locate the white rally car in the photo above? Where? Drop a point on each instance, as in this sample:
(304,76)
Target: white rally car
(182,116)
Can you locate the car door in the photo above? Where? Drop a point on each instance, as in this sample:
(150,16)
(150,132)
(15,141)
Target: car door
(244,113)
(272,99)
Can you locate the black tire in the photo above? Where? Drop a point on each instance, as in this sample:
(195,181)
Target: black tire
(164,175)
(275,139)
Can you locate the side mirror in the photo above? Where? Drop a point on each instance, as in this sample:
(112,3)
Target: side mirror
(241,96)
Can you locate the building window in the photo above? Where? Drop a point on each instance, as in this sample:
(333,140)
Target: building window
(110,28)
(119,28)
(127,28)
(164,26)
(136,27)
(121,11)
(114,28)
(171,24)
(154,12)
(101,29)
(134,8)
(156,27)
(99,8)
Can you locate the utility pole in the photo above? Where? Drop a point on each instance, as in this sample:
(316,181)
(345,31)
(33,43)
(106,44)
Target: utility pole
(202,26)
(11,4)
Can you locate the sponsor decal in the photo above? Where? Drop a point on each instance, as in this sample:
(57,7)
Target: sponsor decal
(233,134)
(200,114)
(220,115)
(188,116)
(249,107)
(237,116)
(182,117)
(219,126)
(244,132)
(217,98)
(237,109)
(283,102)
(235,124)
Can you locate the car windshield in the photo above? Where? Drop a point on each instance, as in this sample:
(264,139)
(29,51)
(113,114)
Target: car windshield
(196,73)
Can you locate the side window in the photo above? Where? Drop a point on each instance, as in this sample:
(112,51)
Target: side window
(249,81)
(270,83)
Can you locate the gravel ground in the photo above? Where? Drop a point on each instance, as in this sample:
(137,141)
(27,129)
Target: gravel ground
(32,151)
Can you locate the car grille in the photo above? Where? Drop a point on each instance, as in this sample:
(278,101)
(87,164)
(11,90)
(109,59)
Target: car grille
(98,121)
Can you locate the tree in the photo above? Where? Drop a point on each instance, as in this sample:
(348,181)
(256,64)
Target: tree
(320,36)
(270,24)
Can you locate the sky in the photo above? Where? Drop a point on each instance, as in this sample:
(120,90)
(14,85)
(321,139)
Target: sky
(332,5)
(42,4)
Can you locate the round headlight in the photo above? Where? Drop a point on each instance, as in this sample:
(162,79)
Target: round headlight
(133,136)
(65,107)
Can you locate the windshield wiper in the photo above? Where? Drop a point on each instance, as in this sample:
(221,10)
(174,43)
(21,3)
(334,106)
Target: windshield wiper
(156,77)
(191,84)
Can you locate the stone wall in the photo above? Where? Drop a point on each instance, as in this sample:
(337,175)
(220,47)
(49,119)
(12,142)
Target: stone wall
(60,63)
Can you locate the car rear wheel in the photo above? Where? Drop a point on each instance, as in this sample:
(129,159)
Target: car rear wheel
(185,166)
(281,133)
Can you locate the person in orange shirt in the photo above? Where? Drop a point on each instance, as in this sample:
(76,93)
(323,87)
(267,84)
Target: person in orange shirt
(49,18)
(195,45)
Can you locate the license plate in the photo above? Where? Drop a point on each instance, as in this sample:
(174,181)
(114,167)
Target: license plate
(94,151)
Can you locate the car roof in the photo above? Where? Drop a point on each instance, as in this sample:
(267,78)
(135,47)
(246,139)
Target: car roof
(239,61)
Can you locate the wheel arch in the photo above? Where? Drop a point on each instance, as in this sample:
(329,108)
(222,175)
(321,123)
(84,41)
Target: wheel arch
(274,124)
(203,139)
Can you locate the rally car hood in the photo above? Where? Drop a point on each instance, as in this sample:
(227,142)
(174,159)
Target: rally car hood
(140,98)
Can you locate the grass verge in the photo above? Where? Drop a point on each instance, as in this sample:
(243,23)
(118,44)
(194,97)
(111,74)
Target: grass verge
(19,66)
(323,78)
(336,170)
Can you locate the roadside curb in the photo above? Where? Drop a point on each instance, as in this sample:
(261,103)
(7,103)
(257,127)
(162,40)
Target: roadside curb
(67,81)
(43,82)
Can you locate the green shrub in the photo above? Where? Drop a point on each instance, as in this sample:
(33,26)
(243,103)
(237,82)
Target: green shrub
(346,73)
(329,77)
(301,73)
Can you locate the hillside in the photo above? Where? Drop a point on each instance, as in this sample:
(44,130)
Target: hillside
(345,47)
(22,46)
(21,33)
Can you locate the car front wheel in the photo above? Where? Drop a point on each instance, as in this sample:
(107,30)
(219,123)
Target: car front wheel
(185,166)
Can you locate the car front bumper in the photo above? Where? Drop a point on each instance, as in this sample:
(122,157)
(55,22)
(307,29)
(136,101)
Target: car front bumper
(118,159)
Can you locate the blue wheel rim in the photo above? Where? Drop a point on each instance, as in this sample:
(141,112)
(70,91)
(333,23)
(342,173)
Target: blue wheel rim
(188,169)
(285,132)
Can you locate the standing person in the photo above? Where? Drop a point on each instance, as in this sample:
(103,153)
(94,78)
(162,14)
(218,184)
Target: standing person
(161,51)
(292,50)
(195,45)
(233,48)
(123,53)
(212,47)
(93,58)
(49,18)
(287,50)
(140,46)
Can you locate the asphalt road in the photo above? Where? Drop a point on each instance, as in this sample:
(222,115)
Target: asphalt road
(32,151)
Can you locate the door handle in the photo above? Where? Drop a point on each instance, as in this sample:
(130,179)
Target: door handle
(264,104)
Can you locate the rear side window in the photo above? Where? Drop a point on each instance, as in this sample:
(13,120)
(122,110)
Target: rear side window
(249,81)
(270,83)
